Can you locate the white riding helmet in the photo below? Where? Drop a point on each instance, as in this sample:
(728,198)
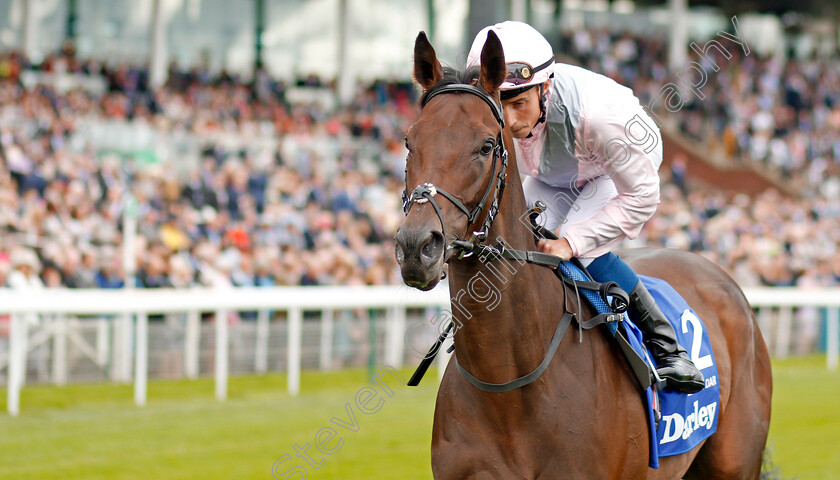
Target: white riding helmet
(528,54)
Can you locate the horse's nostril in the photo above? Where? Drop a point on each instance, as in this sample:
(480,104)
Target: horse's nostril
(427,250)
(433,248)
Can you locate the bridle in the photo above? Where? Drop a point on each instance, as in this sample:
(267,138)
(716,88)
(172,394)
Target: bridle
(427,191)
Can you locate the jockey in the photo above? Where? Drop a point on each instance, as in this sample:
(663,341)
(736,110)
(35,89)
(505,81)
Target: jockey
(591,154)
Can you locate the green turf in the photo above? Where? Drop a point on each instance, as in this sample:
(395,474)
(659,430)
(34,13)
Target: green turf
(94,431)
(805,421)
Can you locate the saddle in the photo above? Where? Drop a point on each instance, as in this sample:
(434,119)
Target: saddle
(608,299)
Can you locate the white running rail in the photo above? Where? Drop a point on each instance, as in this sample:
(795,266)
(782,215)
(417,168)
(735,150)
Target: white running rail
(775,307)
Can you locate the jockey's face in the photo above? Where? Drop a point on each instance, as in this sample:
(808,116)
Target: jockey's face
(523,111)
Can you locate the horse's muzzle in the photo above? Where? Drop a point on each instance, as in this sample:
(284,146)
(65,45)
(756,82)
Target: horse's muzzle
(419,253)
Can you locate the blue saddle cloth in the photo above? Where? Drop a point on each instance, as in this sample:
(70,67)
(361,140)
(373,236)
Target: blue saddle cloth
(687,419)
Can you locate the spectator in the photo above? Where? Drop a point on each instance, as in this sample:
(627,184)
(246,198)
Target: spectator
(25,270)
(319,205)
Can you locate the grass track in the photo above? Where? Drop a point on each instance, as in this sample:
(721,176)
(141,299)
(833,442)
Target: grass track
(805,421)
(94,432)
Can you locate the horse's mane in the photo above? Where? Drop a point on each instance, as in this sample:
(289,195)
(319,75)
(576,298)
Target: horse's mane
(452,76)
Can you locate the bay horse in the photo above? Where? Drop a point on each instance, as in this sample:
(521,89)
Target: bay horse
(583,418)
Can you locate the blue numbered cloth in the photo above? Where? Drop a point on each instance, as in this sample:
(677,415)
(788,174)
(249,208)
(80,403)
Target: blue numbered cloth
(687,419)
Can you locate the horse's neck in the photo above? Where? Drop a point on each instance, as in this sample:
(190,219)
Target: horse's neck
(504,309)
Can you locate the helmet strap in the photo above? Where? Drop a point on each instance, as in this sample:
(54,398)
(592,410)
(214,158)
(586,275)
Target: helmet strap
(542,110)
(542,105)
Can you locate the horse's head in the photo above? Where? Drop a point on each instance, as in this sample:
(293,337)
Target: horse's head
(456,163)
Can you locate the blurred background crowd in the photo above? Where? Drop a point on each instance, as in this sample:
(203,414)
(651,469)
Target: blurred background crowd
(312,213)
(782,115)
(322,207)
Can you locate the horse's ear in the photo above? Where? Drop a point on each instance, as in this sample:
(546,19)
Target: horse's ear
(493,68)
(427,69)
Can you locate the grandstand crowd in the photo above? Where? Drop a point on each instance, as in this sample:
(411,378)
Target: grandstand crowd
(323,208)
(782,116)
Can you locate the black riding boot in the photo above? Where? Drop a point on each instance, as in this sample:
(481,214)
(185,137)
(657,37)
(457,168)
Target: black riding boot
(674,366)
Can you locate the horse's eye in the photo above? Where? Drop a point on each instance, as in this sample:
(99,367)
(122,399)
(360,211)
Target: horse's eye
(405,139)
(487,148)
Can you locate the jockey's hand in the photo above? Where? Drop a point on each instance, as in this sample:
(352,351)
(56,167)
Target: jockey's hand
(559,248)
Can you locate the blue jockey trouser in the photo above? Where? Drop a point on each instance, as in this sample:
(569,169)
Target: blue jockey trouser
(611,268)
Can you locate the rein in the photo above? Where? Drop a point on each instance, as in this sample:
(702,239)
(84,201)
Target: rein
(427,192)
(610,292)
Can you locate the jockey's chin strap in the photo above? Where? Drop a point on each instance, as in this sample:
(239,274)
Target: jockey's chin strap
(427,191)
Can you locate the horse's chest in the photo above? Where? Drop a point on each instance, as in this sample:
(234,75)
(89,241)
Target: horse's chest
(542,441)
(488,452)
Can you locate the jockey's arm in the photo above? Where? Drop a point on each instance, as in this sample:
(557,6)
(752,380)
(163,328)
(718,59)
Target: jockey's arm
(630,156)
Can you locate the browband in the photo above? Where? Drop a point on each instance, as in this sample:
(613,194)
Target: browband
(462,87)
